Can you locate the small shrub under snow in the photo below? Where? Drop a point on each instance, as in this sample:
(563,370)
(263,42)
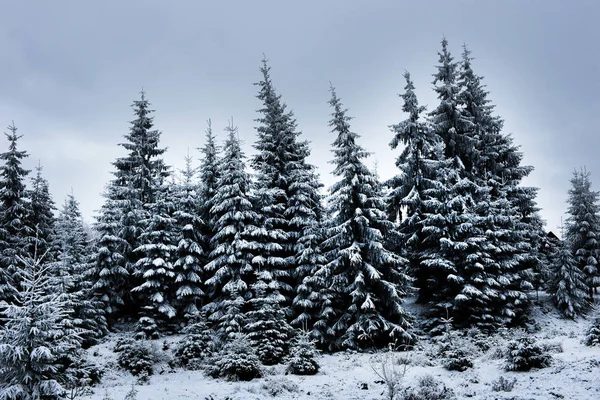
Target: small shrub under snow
(592,336)
(302,359)
(428,388)
(524,354)
(236,361)
(134,356)
(503,384)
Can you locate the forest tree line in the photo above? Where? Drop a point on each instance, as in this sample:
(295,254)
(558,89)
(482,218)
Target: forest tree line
(267,254)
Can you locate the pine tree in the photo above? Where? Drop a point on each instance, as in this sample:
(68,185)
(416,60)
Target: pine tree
(419,163)
(14,216)
(33,339)
(267,328)
(567,284)
(41,218)
(231,267)
(129,197)
(515,235)
(190,256)
(287,191)
(155,267)
(75,263)
(209,179)
(365,281)
(583,229)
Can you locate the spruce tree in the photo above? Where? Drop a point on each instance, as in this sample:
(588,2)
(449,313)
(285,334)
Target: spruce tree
(41,219)
(267,330)
(365,282)
(190,256)
(567,284)
(410,191)
(158,247)
(74,266)
(14,216)
(287,190)
(33,338)
(231,267)
(583,229)
(128,199)
(209,179)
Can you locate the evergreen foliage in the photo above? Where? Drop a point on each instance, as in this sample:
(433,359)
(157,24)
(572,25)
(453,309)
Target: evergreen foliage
(33,338)
(582,229)
(138,177)
(41,217)
(288,198)
(302,356)
(267,330)
(190,256)
(567,285)
(364,281)
(155,267)
(14,216)
(74,265)
(236,361)
(231,265)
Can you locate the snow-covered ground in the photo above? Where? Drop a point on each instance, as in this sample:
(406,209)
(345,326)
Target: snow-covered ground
(574,373)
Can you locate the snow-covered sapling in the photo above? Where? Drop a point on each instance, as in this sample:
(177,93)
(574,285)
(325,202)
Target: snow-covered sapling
(302,356)
(237,361)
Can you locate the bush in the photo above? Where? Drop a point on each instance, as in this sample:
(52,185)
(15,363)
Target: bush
(428,388)
(524,354)
(193,349)
(302,360)
(146,328)
(134,357)
(592,337)
(455,356)
(504,385)
(236,361)
(279,386)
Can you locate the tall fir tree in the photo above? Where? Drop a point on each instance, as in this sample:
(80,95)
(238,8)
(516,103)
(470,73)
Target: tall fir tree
(155,267)
(74,265)
(287,190)
(34,339)
(410,191)
(190,255)
(567,284)
(41,219)
(14,216)
(209,178)
(365,282)
(128,199)
(235,247)
(582,229)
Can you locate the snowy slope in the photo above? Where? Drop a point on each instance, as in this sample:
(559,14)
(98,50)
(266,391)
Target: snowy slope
(574,374)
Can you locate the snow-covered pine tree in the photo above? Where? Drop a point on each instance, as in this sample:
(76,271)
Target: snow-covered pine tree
(190,257)
(209,179)
(419,163)
(567,283)
(14,215)
(514,230)
(74,264)
(158,248)
(129,196)
(456,250)
(287,190)
(267,329)
(582,228)
(231,267)
(365,282)
(41,217)
(110,275)
(33,338)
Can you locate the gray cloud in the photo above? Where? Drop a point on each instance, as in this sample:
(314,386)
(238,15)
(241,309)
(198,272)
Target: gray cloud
(69,71)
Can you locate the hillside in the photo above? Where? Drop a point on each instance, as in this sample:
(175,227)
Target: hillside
(573,373)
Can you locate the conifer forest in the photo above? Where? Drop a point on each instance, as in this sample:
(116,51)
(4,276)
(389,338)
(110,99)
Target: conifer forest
(237,264)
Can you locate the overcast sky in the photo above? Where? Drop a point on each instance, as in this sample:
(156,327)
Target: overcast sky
(69,71)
